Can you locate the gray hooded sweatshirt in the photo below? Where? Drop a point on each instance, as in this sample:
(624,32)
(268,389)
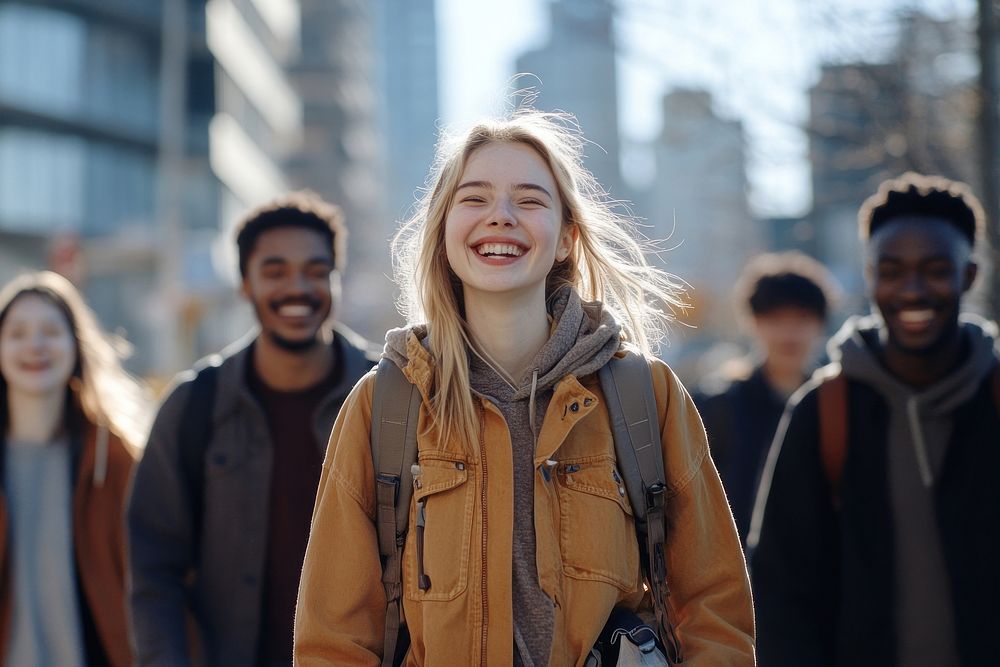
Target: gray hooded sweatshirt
(583,337)
(920,426)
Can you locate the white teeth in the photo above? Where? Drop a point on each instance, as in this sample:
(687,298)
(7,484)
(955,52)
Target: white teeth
(293,310)
(499,249)
(915,316)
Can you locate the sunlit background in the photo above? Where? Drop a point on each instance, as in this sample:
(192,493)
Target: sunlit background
(133,133)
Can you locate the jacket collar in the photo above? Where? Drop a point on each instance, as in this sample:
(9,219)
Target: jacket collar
(352,354)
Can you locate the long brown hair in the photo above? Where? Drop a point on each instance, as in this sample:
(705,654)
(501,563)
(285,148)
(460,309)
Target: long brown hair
(99,389)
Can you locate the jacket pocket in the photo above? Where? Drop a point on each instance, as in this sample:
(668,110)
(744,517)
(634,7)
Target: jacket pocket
(438,542)
(223,457)
(597,529)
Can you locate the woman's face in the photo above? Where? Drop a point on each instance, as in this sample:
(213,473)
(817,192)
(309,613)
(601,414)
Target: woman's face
(504,230)
(37,350)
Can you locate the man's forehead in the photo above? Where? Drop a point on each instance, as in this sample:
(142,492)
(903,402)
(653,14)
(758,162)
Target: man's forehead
(907,234)
(292,244)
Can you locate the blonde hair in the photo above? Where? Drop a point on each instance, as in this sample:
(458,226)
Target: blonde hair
(99,388)
(606,262)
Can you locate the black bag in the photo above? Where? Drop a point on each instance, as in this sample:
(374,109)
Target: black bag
(626,641)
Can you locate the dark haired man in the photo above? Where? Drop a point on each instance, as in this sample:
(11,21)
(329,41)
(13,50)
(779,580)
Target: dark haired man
(785,298)
(877,525)
(220,541)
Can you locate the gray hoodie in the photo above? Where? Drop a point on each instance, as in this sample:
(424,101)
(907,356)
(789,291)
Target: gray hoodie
(920,426)
(583,337)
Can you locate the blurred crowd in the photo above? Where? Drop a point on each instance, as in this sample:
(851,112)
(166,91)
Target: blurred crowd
(856,471)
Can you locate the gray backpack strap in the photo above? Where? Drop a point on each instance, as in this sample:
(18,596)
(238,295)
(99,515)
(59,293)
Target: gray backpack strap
(627,385)
(395,408)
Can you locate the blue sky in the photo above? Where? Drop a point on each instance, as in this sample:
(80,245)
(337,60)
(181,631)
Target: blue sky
(757,57)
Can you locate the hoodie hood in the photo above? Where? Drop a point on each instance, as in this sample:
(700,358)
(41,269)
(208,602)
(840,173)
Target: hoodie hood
(853,347)
(583,337)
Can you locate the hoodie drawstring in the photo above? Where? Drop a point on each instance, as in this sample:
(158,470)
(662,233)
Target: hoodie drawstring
(531,409)
(919,447)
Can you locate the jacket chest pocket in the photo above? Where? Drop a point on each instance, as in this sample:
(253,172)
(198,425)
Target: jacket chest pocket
(438,542)
(596,527)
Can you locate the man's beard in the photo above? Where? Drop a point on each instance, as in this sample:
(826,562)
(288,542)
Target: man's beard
(296,346)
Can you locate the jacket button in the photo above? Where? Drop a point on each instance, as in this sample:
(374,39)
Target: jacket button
(575,407)
(587,402)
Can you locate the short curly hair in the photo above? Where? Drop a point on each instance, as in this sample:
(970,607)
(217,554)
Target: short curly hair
(914,195)
(785,280)
(303,209)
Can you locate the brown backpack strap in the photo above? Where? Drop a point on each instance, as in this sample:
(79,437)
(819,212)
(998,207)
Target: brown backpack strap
(832,396)
(627,385)
(395,408)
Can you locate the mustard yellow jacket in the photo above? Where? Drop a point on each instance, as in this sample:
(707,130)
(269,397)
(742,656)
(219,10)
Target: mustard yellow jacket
(587,551)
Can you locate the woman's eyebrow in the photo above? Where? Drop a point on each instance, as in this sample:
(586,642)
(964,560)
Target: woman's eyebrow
(475,184)
(532,186)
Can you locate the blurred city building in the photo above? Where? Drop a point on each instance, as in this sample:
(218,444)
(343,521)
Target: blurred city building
(576,73)
(407,68)
(872,121)
(133,135)
(698,204)
(408,109)
(783,234)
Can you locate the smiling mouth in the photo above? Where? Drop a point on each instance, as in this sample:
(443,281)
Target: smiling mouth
(295,310)
(916,317)
(499,250)
(36,366)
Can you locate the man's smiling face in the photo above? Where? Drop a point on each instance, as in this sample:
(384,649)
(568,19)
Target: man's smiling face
(288,282)
(918,269)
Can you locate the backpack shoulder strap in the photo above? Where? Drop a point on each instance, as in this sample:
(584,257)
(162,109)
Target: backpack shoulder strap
(627,385)
(395,408)
(832,402)
(193,435)
(996,385)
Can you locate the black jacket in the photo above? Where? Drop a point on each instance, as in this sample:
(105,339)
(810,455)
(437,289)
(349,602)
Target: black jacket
(740,421)
(823,583)
(217,576)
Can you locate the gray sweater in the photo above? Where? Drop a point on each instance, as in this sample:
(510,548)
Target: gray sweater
(45,624)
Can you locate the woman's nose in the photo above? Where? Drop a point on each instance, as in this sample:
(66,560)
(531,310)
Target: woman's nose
(502,216)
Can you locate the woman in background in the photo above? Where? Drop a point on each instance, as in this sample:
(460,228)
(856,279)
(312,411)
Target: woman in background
(70,419)
(520,283)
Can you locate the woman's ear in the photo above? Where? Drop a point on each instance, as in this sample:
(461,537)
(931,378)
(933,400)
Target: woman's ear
(567,239)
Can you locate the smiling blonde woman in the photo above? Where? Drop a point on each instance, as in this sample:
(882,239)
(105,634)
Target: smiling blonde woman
(520,283)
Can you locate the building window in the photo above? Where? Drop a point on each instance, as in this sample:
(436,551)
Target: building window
(41,181)
(41,58)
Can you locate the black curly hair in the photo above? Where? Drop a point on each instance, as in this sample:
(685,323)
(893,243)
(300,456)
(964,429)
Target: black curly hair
(298,209)
(914,195)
